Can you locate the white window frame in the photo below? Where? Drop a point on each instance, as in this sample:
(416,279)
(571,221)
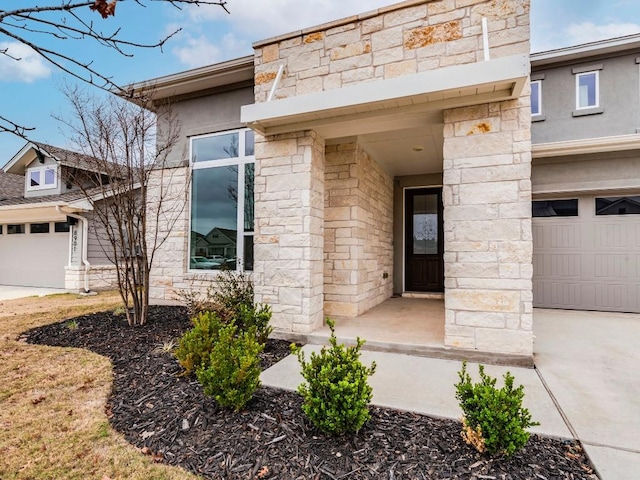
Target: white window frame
(539,83)
(42,170)
(596,74)
(223,162)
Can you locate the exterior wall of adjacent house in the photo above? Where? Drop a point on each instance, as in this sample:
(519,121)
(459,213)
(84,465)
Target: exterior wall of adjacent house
(617,114)
(358,231)
(488,245)
(46,191)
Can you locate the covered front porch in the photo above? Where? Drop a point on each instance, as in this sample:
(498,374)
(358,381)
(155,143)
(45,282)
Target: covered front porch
(409,325)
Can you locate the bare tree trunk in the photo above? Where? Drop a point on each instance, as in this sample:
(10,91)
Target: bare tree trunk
(122,150)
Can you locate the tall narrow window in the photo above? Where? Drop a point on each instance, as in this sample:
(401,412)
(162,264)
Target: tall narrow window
(587,86)
(536,97)
(222,205)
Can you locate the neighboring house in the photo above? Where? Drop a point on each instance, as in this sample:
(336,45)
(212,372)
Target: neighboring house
(586,176)
(44,221)
(391,153)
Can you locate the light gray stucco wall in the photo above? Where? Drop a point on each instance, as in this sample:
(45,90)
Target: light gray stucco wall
(399,184)
(551,177)
(215,112)
(619,100)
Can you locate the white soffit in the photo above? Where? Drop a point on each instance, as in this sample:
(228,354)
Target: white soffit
(450,87)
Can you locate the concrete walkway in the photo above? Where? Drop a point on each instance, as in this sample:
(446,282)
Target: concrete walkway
(9,292)
(587,388)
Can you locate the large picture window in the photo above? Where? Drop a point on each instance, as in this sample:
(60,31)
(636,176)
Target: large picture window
(222,205)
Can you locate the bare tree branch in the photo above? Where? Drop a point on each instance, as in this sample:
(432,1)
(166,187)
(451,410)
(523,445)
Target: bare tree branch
(38,27)
(126,178)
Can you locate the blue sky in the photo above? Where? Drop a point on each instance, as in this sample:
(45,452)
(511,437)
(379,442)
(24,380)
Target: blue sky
(30,89)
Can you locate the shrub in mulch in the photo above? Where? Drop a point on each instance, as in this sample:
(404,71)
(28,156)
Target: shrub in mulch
(168,416)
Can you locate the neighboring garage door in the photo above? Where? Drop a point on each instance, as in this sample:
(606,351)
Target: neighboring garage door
(586,253)
(33,259)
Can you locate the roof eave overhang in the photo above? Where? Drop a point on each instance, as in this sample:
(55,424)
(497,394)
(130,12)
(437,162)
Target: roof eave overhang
(585,51)
(197,80)
(40,212)
(618,143)
(450,87)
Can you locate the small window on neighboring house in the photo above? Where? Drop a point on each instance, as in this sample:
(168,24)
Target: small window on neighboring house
(39,228)
(554,208)
(61,227)
(587,90)
(618,206)
(14,229)
(41,178)
(536,97)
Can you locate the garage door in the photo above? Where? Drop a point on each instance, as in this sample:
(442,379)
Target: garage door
(33,259)
(586,253)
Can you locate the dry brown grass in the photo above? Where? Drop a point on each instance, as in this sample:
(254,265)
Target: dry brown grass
(52,419)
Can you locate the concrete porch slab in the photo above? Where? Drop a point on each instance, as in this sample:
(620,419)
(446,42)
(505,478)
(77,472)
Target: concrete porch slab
(426,385)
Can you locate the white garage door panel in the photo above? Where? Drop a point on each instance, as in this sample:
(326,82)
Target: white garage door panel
(587,262)
(35,260)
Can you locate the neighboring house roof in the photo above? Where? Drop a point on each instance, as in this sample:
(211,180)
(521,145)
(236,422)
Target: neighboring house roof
(22,200)
(576,53)
(63,156)
(11,185)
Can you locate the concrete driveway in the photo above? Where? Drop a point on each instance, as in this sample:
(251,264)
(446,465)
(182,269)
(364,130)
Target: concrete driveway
(9,292)
(590,362)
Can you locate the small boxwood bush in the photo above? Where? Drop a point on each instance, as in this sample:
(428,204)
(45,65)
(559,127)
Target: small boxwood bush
(232,374)
(336,393)
(494,420)
(197,343)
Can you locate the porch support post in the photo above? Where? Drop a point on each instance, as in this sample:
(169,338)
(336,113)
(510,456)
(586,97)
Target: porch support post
(289,229)
(487,217)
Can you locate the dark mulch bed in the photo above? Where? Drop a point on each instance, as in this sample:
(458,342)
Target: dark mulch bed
(169,417)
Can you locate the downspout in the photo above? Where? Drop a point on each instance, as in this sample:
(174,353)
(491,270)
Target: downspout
(85,241)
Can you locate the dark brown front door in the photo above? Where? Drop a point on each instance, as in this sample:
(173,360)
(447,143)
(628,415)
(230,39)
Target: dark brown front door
(424,240)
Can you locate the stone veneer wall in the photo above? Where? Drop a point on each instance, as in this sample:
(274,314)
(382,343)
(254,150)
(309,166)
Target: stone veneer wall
(487,218)
(358,237)
(101,277)
(401,39)
(289,229)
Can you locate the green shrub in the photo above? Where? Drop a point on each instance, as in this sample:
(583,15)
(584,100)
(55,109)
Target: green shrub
(196,344)
(494,419)
(231,298)
(232,374)
(336,393)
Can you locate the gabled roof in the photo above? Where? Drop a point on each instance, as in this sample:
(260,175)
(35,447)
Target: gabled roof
(63,156)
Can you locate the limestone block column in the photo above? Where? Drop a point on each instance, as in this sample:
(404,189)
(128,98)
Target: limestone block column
(487,217)
(289,229)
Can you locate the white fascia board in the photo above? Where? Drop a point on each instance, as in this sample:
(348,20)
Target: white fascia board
(617,143)
(577,52)
(514,68)
(31,213)
(17,157)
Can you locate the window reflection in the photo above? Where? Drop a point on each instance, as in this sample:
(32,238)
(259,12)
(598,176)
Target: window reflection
(215,148)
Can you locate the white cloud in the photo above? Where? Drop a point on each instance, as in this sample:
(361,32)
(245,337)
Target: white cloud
(29,68)
(263,19)
(585,32)
(199,51)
